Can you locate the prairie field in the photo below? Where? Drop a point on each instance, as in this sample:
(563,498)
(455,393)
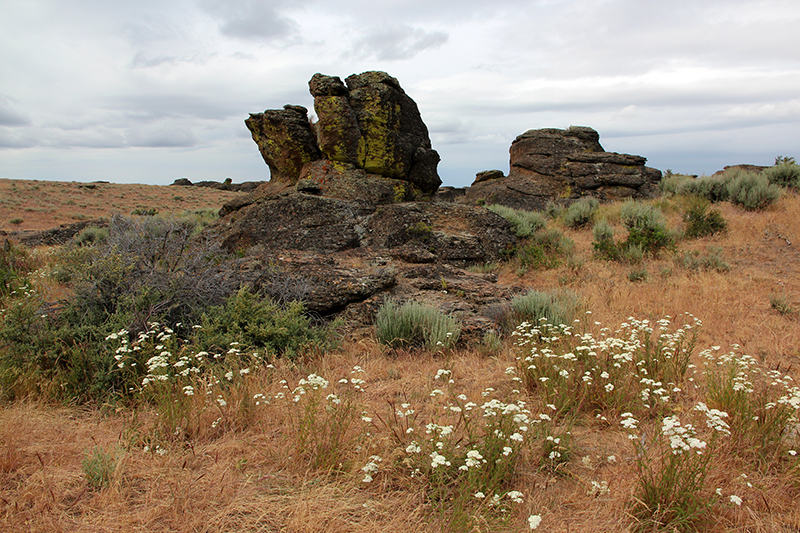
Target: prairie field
(668,403)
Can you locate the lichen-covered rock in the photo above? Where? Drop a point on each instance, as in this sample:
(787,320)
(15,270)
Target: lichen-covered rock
(394,140)
(285,140)
(563,165)
(369,123)
(338,133)
(348,182)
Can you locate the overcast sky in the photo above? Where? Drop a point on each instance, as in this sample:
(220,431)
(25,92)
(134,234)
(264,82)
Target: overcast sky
(149,91)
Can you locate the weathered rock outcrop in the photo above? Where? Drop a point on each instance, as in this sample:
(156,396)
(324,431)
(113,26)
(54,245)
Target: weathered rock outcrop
(414,232)
(553,164)
(369,131)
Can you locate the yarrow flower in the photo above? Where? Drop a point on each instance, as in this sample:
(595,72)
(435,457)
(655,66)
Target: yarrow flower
(534,520)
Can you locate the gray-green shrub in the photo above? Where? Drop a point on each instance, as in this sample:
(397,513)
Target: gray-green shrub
(580,213)
(415,324)
(525,223)
(784,174)
(557,307)
(753,192)
(544,249)
(712,188)
(248,319)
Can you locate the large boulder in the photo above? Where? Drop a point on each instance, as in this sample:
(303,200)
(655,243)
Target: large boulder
(414,232)
(369,129)
(563,165)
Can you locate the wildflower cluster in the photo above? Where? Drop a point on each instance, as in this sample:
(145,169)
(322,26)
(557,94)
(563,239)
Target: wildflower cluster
(672,467)
(763,404)
(193,391)
(639,367)
(464,448)
(325,420)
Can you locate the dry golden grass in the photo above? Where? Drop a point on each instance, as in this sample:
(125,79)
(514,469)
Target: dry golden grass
(251,480)
(38,205)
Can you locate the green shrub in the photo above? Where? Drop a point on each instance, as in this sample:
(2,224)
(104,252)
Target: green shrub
(525,223)
(753,192)
(249,320)
(633,254)
(553,209)
(15,264)
(604,245)
(91,235)
(711,260)
(544,249)
(415,324)
(580,213)
(420,231)
(701,222)
(784,174)
(637,274)
(647,227)
(147,269)
(557,307)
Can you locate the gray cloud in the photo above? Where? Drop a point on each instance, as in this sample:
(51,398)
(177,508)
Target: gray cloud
(160,136)
(10,116)
(251,19)
(396,42)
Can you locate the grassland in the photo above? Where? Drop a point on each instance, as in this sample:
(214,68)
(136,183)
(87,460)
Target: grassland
(265,462)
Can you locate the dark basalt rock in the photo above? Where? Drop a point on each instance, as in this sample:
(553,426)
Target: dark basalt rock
(368,123)
(564,165)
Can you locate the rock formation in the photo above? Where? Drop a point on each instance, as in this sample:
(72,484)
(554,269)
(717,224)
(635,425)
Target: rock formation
(369,131)
(563,165)
(337,213)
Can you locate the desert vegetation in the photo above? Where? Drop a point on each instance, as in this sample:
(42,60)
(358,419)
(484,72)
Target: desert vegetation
(643,381)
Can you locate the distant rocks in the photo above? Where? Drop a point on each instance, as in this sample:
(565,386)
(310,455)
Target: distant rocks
(563,165)
(227,185)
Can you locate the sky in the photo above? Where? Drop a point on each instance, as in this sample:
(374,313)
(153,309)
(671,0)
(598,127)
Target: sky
(155,90)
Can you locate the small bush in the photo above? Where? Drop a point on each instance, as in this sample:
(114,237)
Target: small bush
(420,231)
(553,209)
(249,320)
(580,213)
(712,188)
(647,227)
(784,174)
(545,249)
(525,223)
(637,274)
(753,192)
(604,245)
(673,184)
(700,221)
(782,305)
(415,324)
(91,235)
(99,467)
(557,307)
(711,260)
